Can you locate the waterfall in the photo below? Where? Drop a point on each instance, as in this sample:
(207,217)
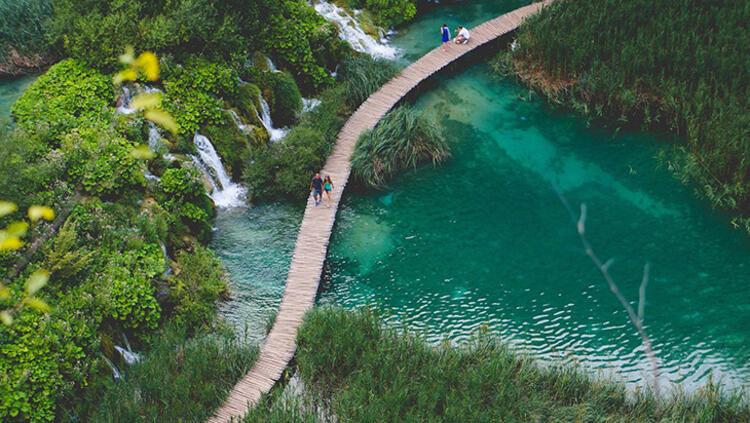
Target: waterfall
(115,372)
(226,193)
(271,66)
(237,121)
(351,32)
(310,103)
(265,118)
(125,102)
(127,354)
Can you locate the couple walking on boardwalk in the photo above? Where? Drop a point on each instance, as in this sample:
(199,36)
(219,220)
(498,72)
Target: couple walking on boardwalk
(318,185)
(462,37)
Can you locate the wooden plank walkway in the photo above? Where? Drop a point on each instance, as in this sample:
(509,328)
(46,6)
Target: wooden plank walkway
(317,223)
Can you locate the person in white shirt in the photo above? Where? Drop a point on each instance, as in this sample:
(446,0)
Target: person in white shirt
(463,35)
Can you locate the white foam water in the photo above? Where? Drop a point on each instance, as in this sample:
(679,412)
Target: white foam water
(351,32)
(309,104)
(276,134)
(226,194)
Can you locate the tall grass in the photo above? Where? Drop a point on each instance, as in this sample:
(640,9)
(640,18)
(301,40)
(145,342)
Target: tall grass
(403,140)
(367,373)
(364,75)
(676,65)
(23,27)
(180,379)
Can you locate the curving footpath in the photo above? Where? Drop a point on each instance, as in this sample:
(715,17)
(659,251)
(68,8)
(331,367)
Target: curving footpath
(317,223)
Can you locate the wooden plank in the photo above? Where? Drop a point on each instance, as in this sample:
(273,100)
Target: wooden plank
(315,230)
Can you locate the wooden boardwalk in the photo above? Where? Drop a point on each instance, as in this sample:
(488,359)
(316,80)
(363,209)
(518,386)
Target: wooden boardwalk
(317,223)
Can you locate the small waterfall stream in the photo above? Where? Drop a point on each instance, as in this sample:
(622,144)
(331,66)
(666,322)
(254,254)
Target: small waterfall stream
(276,134)
(351,32)
(226,193)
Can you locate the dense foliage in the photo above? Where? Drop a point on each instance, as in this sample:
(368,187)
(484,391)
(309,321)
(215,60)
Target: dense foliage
(108,251)
(362,372)
(402,140)
(388,13)
(69,95)
(181,378)
(678,65)
(97,31)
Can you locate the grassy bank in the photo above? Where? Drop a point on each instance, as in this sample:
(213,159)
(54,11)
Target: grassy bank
(678,66)
(364,372)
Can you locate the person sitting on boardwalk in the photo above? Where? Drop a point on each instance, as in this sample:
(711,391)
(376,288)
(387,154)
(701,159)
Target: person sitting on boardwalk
(316,186)
(446,33)
(328,187)
(463,35)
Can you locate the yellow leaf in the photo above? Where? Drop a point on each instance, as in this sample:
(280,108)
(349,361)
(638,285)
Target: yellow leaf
(146,101)
(39,212)
(6,318)
(160,117)
(142,152)
(149,64)
(11,243)
(6,208)
(36,304)
(128,56)
(17,229)
(36,281)
(4,293)
(126,75)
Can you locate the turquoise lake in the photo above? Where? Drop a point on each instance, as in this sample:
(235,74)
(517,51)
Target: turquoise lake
(486,241)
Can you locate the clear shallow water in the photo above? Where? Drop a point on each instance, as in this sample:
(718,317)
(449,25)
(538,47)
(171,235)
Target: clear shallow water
(485,240)
(10,91)
(256,247)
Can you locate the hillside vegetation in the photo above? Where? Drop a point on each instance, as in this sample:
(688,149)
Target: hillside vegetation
(681,65)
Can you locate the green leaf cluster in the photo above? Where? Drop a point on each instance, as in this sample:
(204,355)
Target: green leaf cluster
(69,95)
(183,196)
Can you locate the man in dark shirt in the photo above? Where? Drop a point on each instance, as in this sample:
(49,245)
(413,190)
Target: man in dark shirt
(316,185)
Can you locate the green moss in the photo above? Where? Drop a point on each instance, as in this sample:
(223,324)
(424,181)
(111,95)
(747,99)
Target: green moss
(287,100)
(248,103)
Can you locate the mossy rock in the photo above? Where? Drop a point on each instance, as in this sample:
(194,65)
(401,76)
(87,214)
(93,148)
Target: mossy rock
(248,103)
(258,136)
(231,144)
(260,61)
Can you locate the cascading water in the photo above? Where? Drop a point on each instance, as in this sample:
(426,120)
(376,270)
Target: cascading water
(154,139)
(310,103)
(226,193)
(351,32)
(237,121)
(276,134)
(271,66)
(127,353)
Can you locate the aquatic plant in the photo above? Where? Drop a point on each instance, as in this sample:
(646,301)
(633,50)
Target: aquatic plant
(404,139)
(363,76)
(359,370)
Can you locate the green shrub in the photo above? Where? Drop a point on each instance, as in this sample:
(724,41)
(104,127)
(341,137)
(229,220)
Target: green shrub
(132,298)
(113,170)
(284,169)
(403,140)
(195,93)
(287,100)
(29,372)
(391,12)
(69,95)
(289,35)
(364,75)
(230,143)
(183,196)
(198,282)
